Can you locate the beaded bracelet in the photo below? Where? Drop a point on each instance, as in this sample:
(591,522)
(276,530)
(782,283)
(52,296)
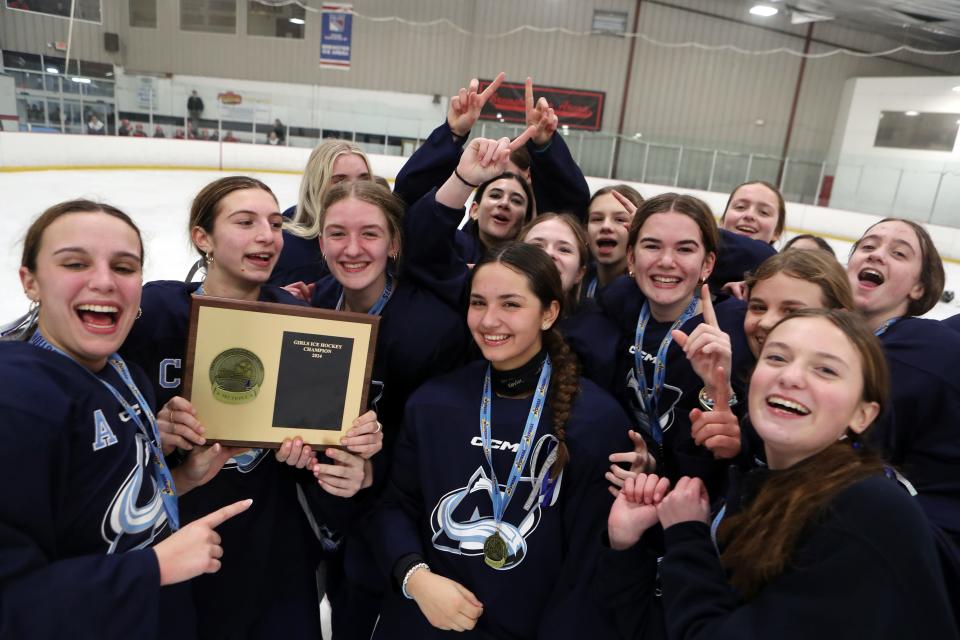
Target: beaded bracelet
(410,572)
(708,404)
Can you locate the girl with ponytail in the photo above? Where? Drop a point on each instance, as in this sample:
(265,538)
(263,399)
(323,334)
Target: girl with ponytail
(494,523)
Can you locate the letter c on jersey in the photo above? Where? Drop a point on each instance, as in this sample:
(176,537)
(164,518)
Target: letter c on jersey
(165,381)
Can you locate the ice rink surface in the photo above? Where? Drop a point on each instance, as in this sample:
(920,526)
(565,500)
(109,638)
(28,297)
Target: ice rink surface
(159,202)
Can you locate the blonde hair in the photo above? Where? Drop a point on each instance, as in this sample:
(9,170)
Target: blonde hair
(316,183)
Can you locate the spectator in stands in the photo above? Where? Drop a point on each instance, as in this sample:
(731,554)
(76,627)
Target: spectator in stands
(124,129)
(94,126)
(272,137)
(229,137)
(178,134)
(158,132)
(138,131)
(194,108)
(280,130)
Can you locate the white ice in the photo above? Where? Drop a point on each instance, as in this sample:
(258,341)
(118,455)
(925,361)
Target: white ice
(159,202)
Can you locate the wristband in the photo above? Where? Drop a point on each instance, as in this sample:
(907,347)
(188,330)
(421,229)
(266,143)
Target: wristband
(406,578)
(463,180)
(708,404)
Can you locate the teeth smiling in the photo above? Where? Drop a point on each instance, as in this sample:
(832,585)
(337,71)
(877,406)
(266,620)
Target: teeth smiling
(665,279)
(98,308)
(788,405)
(495,337)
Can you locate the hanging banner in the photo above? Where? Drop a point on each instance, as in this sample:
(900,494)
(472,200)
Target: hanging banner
(575,108)
(336,31)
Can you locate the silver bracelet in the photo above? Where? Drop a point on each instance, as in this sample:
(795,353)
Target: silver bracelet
(410,572)
(708,404)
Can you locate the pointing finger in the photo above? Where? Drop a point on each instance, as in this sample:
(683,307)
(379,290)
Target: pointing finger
(709,315)
(492,87)
(521,140)
(218,517)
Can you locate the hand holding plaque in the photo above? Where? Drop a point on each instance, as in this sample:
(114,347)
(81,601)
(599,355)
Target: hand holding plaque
(259,373)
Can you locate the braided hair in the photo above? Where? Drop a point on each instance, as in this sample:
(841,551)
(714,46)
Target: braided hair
(543,278)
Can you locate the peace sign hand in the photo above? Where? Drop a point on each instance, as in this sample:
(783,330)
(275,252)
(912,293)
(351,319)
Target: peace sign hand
(540,115)
(707,347)
(484,159)
(465,107)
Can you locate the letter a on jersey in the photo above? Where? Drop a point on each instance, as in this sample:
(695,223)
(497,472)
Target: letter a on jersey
(103,435)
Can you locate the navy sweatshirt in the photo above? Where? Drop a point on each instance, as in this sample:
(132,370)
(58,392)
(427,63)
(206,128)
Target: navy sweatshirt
(867,568)
(270,557)
(433,260)
(558,183)
(622,301)
(737,255)
(81,510)
(919,431)
(438,505)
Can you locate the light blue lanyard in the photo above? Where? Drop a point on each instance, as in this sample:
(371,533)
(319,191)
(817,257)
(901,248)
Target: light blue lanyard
(651,397)
(381,302)
(592,287)
(502,499)
(882,329)
(161,473)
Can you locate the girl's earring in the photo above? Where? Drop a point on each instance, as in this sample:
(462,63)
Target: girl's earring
(209,257)
(139,312)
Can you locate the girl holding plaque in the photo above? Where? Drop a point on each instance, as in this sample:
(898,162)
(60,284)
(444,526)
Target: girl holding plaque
(821,533)
(90,522)
(235,225)
(418,337)
(490,520)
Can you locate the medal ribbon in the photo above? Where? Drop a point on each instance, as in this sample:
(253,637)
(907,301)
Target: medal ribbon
(651,397)
(502,499)
(882,329)
(592,287)
(381,301)
(161,473)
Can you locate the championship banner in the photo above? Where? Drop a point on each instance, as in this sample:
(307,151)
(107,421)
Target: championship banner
(575,108)
(336,32)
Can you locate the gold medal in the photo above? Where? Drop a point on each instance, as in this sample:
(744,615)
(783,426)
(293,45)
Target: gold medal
(495,551)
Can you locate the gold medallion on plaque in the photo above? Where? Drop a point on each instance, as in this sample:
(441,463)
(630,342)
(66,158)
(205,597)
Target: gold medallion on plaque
(236,375)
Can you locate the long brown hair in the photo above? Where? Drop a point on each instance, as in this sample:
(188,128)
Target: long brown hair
(694,208)
(759,542)
(543,278)
(781,205)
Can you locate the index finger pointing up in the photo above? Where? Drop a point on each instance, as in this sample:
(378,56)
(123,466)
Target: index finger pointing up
(492,87)
(721,387)
(521,139)
(528,94)
(218,517)
(709,315)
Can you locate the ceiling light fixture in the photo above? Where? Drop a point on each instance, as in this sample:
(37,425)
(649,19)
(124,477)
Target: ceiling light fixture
(55,70)
(956,89)
(81,80)
(911,113)
(762,10)
(297,21)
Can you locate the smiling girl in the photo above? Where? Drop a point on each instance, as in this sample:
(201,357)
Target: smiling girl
(89,528)
(896,274)
(492,524)
(235,226)
(820,534)
(330,163)
(672,250)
